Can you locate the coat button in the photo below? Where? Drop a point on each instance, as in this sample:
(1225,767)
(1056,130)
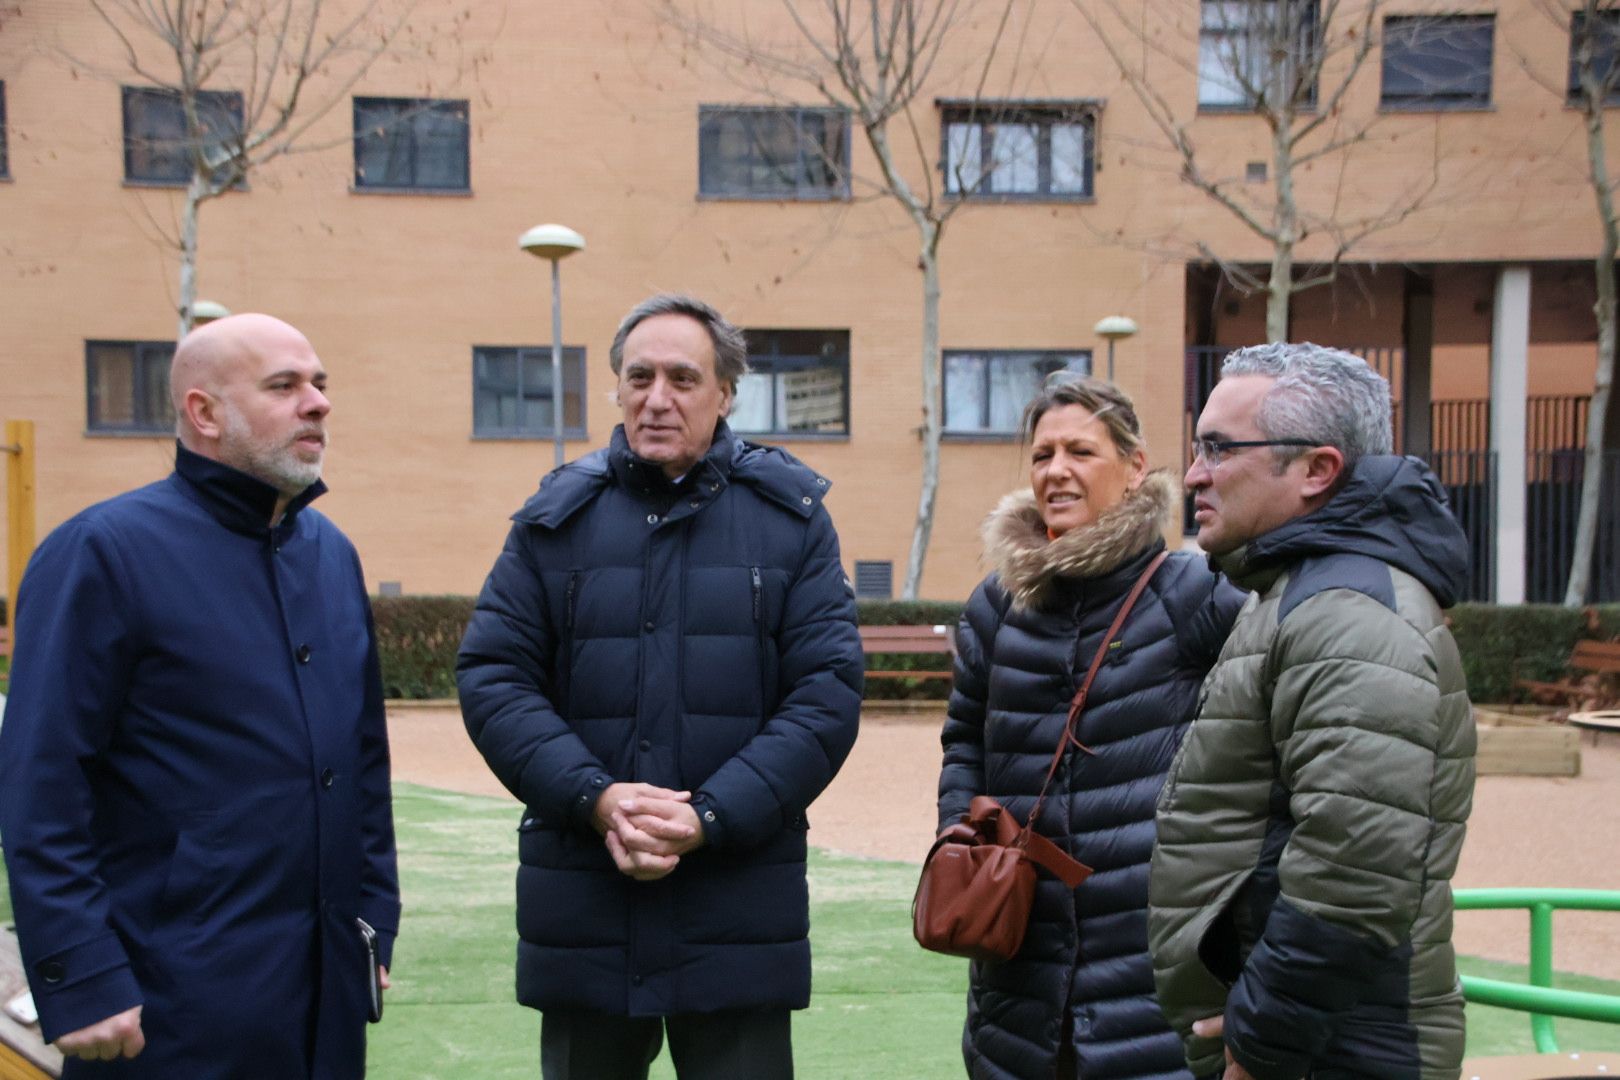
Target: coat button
(807,500)
(303,654)
(648,626)
(645,745)
(326,778)
(635,980)
(52,971)
(708,815)
(652,519)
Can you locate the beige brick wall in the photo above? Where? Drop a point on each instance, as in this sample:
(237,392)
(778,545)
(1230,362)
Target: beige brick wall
(586,114)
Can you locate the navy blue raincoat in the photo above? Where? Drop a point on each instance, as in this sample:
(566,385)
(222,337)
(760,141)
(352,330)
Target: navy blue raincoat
(194,788)
(698,636)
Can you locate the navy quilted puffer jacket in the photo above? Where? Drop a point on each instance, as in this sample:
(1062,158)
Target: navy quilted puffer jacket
(1028,635)
(698,636)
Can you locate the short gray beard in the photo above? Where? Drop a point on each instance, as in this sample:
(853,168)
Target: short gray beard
(276,465)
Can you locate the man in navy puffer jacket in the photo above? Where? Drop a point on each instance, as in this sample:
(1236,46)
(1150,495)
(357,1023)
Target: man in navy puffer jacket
(664,667)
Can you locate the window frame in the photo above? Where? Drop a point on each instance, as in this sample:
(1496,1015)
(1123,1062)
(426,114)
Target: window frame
(5,144)
(573,357)
(144,356)
(763,363)
(1574,97)
(1310,26)
(409,109)
(227,100)
(1433,101)
(1044,115)
(986,433)
(837,192)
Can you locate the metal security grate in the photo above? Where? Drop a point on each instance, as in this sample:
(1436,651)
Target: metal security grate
(874,579)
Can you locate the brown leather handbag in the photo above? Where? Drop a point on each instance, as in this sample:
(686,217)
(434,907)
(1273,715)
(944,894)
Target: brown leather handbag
(978,881)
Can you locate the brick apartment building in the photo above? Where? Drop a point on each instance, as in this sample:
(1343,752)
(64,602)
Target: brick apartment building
(393,246)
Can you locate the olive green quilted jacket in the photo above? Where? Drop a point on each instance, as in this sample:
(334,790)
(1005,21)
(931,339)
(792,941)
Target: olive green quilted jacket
(1311,823)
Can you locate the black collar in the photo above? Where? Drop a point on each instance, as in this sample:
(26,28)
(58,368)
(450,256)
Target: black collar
(647,477)
(239,502)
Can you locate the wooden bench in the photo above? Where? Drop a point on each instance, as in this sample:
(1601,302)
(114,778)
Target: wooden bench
(1589,657)
(908,641)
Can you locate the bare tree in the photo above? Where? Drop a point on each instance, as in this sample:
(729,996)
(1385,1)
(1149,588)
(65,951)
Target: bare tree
(1291,64)
(250,79)
(1592,88)
(879,61)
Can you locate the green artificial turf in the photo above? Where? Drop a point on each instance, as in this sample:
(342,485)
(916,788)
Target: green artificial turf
(883,1009)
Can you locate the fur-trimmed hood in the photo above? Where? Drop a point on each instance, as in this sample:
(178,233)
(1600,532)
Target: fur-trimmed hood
(1030,565)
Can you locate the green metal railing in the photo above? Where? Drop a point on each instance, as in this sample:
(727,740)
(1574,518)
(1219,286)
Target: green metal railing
(1539,998)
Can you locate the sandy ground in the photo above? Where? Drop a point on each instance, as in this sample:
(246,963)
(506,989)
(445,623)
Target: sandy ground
(1524,831)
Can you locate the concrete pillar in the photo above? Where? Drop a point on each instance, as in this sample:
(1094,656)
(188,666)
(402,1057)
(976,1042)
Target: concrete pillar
(1417,381)
(1510,362)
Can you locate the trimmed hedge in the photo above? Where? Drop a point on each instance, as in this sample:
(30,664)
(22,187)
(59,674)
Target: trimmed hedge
(417,637)
(1528,641)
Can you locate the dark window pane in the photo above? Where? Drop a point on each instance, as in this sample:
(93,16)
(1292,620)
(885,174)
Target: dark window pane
(986,392)
(1603,40)
(157,147)
(512,391)
(410,143)
(127,386)
(5,162)
(1438,62)
(781,153)
(798,383)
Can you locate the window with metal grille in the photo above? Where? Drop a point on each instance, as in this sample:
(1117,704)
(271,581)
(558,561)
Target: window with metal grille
(771,152)
(1019,150)
(127,387)
(158,147)
(410,144)
(797,384)
(512,392)
(874,579)
(986,390)
(1437,62)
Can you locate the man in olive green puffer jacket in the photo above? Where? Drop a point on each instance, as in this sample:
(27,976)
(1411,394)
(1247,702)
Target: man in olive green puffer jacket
(1301,887)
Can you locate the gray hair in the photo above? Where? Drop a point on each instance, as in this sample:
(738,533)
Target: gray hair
(1327,396)
(1101,398)
(730,349)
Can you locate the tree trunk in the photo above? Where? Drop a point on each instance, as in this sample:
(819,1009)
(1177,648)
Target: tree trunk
(931,419)
(1285,218)
(195,193)
(1580,568)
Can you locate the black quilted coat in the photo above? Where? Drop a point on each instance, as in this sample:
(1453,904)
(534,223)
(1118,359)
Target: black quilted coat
(1028,635)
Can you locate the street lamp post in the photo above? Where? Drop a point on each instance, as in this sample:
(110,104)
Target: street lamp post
(204,312)
(1114,328)
(554,243)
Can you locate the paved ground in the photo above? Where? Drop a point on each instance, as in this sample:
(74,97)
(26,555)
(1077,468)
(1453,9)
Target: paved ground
(1524,830)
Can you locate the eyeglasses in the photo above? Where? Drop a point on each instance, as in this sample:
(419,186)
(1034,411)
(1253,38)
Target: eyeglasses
(1215,451)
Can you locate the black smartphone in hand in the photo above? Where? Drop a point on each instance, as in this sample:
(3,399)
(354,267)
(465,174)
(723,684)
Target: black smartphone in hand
(373,974)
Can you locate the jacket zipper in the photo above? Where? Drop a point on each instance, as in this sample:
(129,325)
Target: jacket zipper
(759,639)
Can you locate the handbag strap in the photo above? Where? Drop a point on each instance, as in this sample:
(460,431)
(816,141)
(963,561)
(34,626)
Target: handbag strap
(1078,705)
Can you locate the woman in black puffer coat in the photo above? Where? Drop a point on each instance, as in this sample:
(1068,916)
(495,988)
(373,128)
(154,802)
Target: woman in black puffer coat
(1077,1000)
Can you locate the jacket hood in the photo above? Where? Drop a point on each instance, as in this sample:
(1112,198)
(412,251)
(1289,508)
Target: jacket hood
(773,472)
(1030,566)
(1392,509)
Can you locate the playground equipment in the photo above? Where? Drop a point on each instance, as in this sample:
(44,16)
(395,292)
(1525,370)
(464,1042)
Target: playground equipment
(1539,998)
(19,450)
